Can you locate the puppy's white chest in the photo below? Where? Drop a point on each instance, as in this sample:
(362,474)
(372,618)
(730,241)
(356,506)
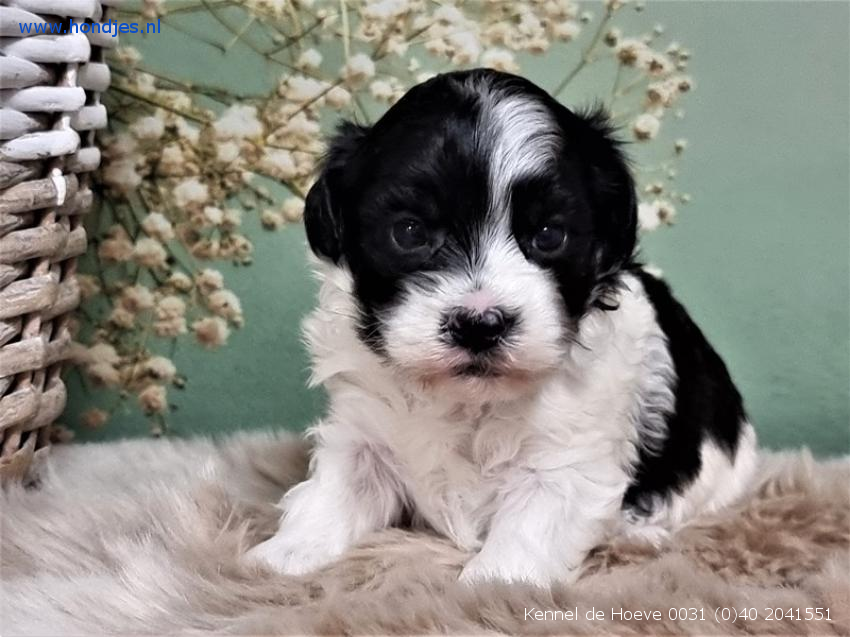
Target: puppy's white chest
(448,467)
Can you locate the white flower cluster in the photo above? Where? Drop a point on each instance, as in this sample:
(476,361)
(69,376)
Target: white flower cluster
(189,159)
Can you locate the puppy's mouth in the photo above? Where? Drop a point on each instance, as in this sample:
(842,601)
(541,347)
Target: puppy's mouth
(478,369)
(466,368)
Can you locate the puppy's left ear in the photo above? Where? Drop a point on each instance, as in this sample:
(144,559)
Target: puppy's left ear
(612,188)
(325,204)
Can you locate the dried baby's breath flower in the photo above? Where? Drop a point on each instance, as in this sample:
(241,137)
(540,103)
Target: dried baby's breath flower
(648,218)
(612,36)
(449,15)
(212,216)
(180,282)
(300,89)
(103,374)
(128,55)
(465,47)
(238,247)
(632,52)
(190,191)
(59,434)
(103,353)
(338,97)
(227,152)
(171,161)
(358,70)
(169,307)
(89,286)
(209,280)
(94,418)
(122,318)
(238,122)
(160,368)
(136,298)
(144,82)
(231,219)
(169,327)
(300,128)
(153,399)
(152,8)
(500,60)
(381,90)
(149,253)
(666,211)
(226,304)
(653,214)
(385,10)
(279,163)
(646,126)
(151,127)
(566,31)
(271,219)
(116,248)
(121,175)
(157,226)
(120,146)
(657,64)
(211,332)
(293,209)
(187,131)
(661,93)
(310,59)
(206,249)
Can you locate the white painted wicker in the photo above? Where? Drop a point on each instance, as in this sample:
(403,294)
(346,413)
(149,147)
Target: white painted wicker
(49,93)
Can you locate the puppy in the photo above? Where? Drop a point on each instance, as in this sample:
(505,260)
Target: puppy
(499,368)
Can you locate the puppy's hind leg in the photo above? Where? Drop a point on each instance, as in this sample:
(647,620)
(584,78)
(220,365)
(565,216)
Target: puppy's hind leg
(352,489)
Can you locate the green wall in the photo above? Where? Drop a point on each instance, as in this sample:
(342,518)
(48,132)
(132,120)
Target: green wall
(760,257)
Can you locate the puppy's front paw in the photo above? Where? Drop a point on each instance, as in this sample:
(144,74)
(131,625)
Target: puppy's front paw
(285,556)
(512,567)
(484,568)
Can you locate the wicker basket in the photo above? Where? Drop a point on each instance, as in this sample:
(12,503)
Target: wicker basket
(49,90)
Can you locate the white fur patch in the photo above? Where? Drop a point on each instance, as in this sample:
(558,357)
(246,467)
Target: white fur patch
(521,140)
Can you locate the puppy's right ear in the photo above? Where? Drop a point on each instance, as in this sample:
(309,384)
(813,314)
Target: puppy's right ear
(325,203)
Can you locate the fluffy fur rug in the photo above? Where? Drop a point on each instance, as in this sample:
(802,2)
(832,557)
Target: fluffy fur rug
(145,537)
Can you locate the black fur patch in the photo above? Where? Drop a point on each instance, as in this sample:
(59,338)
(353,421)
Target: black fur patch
(707,405)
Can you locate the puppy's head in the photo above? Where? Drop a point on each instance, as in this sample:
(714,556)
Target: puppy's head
(479,220)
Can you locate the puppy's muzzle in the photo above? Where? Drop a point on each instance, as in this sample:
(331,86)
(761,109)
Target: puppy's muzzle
(478,331)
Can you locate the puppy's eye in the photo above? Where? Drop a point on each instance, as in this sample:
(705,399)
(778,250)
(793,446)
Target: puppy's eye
(549,238)
(409,234)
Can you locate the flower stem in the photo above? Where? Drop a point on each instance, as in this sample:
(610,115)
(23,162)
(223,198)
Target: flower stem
(586,57)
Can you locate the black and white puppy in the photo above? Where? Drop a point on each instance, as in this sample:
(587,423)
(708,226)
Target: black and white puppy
(498,367)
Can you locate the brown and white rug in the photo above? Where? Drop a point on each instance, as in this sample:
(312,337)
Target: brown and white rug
(145,537)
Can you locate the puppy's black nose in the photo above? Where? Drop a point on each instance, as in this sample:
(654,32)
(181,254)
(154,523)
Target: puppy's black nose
(477,331)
